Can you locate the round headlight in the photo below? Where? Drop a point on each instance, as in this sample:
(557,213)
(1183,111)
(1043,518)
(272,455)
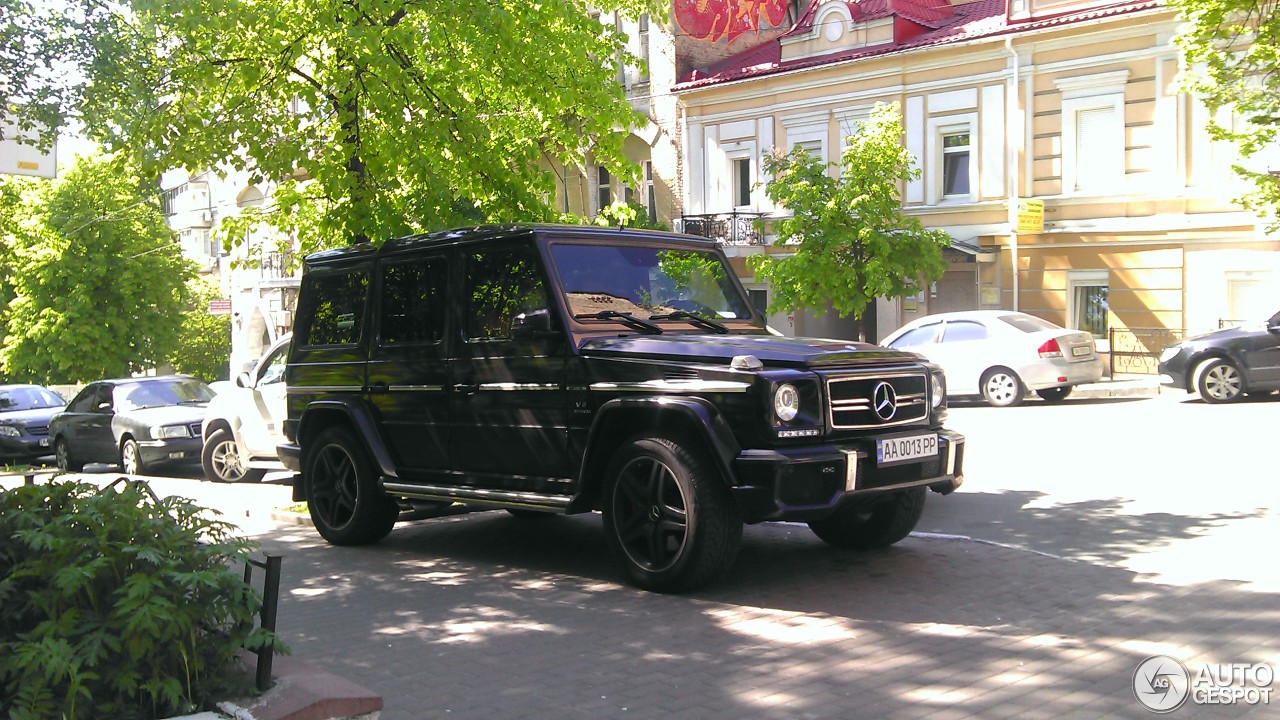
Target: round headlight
(939,389)
(786,402)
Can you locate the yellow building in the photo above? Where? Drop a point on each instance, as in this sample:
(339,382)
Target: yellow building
(1070,103)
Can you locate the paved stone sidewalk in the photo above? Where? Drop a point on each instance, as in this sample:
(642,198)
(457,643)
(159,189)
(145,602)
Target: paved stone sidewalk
(490,616)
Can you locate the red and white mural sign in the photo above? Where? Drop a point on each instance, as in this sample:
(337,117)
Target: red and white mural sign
(715,20)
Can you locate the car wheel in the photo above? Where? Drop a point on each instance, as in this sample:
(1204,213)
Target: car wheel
(1220,382)
(1002,388)
(871,527)
(668,516)
(221,459)
(1054,395)
(62,454)
(131,458)
(342,494)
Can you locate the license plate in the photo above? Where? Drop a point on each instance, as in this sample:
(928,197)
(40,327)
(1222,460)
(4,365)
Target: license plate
(1080,351)
(44,442)
(909,448)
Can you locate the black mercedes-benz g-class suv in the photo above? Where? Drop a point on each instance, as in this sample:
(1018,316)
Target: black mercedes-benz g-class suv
(568,369)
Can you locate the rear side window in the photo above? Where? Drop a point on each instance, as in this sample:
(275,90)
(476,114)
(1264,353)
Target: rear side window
(964,331)
(332,308)
(413,302)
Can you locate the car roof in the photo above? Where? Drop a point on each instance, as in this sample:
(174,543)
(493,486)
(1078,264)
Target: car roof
(443,238)
(19,386)
(969,315)
(144,379)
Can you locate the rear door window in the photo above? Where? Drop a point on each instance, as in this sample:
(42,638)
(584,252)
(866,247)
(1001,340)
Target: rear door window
(333,313)
(964,331)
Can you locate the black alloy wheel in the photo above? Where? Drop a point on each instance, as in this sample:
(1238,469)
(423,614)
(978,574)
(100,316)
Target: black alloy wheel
(668,516)
(343,498)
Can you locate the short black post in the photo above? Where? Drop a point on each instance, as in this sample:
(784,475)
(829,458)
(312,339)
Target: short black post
(270,599)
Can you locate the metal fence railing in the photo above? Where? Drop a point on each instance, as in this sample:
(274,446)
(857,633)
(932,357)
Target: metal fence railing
(732,228)
(1136,351)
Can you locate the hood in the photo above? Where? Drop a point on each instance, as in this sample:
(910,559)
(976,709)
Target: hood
(35,416)
(169,415)
(1231,333)
(770,349)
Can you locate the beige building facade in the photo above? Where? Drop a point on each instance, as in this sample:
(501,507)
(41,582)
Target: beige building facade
(1073,104)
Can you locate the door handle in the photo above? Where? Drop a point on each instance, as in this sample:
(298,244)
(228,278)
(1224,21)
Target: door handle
(466,389)
(378,387)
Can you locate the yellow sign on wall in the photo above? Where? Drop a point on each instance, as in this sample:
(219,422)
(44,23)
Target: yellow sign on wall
(1030,216)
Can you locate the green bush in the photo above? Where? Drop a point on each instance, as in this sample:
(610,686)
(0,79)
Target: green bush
(114,604)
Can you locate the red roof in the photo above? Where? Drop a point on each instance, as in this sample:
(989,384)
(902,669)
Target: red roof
(950,24)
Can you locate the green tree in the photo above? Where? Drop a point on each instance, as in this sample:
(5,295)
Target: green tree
(204,339)
(376,117)
(848,239)
(98,280)
(1232,52)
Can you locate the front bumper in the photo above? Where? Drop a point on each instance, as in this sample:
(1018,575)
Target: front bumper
(290,456)
(24,447)
(809,483)
(174,450)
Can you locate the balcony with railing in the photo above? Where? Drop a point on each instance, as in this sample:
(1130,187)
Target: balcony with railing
(732,228)
(278,269)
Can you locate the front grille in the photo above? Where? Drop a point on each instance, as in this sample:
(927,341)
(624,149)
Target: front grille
(37,429)
(852,399)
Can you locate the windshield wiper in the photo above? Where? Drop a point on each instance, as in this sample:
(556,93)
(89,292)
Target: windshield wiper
(693,318)
(625,318)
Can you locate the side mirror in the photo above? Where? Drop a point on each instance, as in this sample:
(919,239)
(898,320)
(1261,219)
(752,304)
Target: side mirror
(244,380)
(536,323)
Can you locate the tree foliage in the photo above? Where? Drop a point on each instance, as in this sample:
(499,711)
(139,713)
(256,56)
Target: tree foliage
(204,339)
(373,117)
(98,281)
(1232,52)
(848,239)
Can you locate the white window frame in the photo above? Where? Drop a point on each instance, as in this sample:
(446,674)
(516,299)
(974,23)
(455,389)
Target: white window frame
(936,129)
(649,192)
(746,151)
(1085,278)
(967,152)
(1093,92)
(605,187)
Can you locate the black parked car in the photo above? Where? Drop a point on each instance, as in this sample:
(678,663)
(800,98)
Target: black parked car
(561,369)
(137,423)
(1225,364)
(24,421)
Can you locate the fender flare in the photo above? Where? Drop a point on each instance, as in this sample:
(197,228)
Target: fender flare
(651,415)
(361,419)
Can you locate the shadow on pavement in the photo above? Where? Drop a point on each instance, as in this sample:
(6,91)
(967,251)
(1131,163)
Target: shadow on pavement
(492,616)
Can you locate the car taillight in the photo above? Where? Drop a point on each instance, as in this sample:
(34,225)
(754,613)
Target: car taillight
(1050,349)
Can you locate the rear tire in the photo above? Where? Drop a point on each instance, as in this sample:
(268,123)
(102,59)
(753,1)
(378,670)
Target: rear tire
(221,460)
(342,494)
(668,516)
(1002,388)
(65,460)
(871,527)
(1054,395)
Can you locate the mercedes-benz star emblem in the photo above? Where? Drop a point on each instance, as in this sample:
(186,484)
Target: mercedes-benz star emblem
(884,401)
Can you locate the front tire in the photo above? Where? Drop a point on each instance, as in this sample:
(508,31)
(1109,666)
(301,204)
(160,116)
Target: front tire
(221,460)
(668,516)
(1002,388)
(131,458)
(342,494)
(871,527)
(1220,382)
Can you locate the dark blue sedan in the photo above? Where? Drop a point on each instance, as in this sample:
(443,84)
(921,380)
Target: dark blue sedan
(25,411)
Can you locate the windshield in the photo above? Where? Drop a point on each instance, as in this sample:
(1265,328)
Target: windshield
(29,398)
(646,281)
(156,393)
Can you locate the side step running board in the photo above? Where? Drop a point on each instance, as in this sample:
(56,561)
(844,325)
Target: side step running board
(477,496)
